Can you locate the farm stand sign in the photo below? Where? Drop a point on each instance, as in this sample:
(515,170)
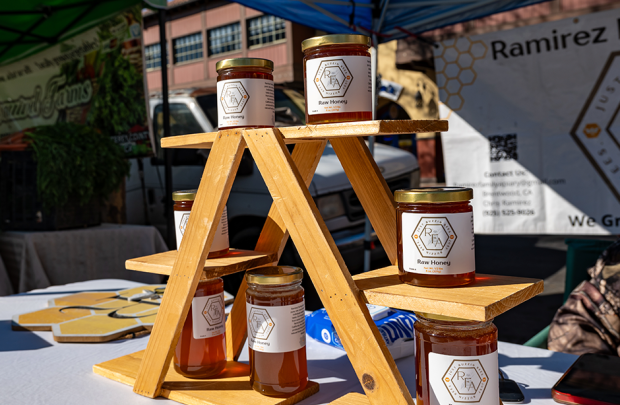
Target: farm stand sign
(95,79)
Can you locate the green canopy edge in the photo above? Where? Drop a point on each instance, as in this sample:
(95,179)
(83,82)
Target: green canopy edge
(31,26)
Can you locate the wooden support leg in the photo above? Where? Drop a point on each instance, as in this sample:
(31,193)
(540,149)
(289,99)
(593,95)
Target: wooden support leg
(272,239)
(360,337)
(371,189)
(207,210)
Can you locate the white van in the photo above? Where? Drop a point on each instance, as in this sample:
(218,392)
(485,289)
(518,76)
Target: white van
(194,111)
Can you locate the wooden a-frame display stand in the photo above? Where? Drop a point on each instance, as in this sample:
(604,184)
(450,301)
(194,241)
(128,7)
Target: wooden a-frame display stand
(294,212)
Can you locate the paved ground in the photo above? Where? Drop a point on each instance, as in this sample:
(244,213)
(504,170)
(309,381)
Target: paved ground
(525,256)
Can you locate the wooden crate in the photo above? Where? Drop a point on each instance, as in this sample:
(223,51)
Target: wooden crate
(294,212)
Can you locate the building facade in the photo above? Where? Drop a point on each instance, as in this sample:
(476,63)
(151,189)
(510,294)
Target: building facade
(199,33)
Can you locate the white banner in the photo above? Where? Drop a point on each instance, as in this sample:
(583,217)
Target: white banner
(534,125)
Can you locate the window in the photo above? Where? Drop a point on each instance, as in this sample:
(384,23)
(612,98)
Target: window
(265,29)
(208,103)
(290,108)
(152,54)
(187,48)
(225,39)
(182,122)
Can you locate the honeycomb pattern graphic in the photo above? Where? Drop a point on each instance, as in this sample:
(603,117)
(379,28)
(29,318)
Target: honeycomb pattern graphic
(454,66)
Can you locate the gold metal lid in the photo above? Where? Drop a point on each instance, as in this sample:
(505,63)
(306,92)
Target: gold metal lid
(336,39)
(184,195)
(434,195)
(244,62)
(274,275)
(437,317)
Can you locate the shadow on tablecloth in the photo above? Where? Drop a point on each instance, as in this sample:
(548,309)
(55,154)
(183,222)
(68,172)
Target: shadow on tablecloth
(19,340)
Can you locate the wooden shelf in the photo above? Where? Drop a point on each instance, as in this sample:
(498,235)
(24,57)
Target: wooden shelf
(486,298)
(352,398)
(236,260)
(324,131)
(231,388)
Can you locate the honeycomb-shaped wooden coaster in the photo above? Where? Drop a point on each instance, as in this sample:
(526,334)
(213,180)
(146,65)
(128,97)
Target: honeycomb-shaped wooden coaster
(94,316)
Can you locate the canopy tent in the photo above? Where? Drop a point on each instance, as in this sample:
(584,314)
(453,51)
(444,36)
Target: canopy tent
(387,19)
(31,26)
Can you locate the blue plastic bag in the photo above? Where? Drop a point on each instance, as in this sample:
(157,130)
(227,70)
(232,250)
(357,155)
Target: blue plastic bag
(396,329)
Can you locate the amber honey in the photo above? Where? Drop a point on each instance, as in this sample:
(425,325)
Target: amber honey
(456,359)
(201,350)
(435,236)
(337,78)
(276,331)
(183,203)
(245,93)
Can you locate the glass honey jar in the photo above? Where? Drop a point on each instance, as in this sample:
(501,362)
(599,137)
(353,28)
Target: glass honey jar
(435,234)
(201,350)
(456,361)
(276,330)
(245,93)
(183,202)
(337,78)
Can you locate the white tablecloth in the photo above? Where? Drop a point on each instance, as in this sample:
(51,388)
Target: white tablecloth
(38,371)
(40,259)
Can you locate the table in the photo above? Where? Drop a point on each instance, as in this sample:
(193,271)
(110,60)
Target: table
(40,259)
(38,371)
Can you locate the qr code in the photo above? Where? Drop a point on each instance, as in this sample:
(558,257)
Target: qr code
(503,147)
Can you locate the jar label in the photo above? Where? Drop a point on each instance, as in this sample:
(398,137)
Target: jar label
(276,329)
(338,84)
(463,379)
(208,317)
(438,243)
(220,242)
(245,103)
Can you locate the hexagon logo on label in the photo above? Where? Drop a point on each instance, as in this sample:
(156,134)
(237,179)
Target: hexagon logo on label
(434,237)
(597,129)
(260,323)
(234,98)
(592,130)
(333,78)
(214,310)
(466,380)
(183,223)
